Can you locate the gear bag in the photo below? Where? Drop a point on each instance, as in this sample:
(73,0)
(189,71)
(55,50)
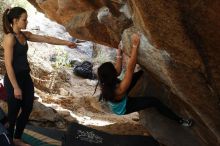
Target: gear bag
(84,70)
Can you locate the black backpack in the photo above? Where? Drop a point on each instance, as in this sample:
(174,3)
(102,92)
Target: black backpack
(84,70)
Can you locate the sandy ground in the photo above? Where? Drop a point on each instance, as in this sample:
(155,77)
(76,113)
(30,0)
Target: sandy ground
(87,110)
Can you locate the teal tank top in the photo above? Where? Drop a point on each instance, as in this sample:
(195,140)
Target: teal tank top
(118,108)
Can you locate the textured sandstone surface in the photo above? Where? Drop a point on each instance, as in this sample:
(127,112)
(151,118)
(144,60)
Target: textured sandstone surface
(179,52)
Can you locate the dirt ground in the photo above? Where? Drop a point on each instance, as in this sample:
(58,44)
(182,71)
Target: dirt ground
(87,110)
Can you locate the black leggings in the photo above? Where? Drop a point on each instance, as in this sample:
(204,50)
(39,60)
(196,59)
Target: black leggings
(135,104)
(14,105)
(139,103)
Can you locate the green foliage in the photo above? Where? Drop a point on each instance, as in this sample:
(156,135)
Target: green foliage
(20,3)
(102,57)
(60,58)
(2,6)
(12,3)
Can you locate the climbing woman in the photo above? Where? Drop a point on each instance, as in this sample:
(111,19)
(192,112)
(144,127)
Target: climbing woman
(115,91)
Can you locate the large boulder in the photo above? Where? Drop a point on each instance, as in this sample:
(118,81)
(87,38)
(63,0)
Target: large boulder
(179,49)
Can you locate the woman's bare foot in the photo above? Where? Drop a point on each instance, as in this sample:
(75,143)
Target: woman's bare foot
(19,142)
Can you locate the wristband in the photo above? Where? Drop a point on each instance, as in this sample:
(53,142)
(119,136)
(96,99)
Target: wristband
(134,46)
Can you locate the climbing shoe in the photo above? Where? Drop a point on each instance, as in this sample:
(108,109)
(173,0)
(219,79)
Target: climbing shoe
(186,122)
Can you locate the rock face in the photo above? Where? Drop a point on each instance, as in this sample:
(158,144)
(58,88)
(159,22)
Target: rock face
(179,50)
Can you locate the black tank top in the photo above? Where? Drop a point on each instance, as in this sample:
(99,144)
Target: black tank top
(20,61)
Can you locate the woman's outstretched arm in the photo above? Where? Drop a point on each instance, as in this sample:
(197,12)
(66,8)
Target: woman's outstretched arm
(48,39)
(125,83)
(119,57)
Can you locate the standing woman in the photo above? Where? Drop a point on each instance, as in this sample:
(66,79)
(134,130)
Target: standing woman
(17,80)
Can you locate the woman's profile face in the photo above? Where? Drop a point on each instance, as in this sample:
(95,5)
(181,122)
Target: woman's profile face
(22,21)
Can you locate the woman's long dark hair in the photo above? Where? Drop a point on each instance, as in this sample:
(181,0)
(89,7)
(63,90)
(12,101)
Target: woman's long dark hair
(9,15)
(108,80)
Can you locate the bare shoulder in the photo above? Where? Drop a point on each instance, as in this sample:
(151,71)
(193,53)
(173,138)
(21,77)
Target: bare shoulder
(8,38)
(120,91)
